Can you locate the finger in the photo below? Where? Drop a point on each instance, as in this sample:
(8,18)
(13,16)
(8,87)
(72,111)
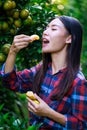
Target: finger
(21,36)
(20,44)
(18,48)
(31,107)
(31,102)
(25,39)
(37,97)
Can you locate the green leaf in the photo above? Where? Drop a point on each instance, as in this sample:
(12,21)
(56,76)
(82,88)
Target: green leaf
(37,7)
(35,127)
(5,116)
(1,106)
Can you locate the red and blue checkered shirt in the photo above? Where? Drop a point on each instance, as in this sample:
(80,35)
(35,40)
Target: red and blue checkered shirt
(73,106)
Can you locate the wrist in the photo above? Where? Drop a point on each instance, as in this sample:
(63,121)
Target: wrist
(12,52)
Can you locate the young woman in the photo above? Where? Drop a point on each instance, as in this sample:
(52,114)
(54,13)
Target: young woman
(58,84)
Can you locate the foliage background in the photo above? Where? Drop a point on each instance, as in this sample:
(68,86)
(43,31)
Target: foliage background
(41,12)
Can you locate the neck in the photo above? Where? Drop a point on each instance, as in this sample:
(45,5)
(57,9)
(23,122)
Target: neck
(58,62)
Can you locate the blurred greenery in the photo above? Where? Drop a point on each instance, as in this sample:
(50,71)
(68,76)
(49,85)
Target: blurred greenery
(40,13)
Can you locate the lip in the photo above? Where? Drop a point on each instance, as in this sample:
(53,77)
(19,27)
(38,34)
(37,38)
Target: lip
(44,38)
(44,45)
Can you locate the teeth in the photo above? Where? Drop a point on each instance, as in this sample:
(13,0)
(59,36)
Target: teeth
(45,41)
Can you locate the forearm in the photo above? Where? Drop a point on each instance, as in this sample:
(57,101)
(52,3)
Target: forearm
(57,117)
(9,65)
(70,120)
(59,120)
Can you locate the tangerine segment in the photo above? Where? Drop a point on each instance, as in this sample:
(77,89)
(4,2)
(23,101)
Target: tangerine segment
(34,37)
(30,95)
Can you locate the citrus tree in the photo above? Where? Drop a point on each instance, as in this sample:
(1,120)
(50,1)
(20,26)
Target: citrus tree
(21,17)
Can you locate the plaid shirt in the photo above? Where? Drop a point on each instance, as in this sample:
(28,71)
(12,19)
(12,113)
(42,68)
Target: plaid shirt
(73,106)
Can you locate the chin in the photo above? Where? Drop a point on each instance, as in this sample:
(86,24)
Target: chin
(45,51)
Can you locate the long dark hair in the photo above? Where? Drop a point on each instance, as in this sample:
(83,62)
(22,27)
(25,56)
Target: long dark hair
(74,28)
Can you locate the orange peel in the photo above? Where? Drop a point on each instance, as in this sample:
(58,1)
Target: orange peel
(30,95)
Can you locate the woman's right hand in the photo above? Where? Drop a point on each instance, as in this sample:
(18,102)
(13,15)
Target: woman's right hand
(19,42)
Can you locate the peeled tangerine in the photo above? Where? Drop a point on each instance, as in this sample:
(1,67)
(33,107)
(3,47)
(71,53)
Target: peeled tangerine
(34,37)
(30,95)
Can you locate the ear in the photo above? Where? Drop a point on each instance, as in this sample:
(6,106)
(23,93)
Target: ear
(68,39)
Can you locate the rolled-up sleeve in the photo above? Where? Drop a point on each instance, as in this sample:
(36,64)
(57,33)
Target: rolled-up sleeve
(19,81)
(78,119)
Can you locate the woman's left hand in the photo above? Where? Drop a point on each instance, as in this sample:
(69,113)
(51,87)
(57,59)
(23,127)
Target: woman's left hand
(41,109)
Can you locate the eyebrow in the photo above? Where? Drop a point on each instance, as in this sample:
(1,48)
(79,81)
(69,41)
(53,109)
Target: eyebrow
(53,25)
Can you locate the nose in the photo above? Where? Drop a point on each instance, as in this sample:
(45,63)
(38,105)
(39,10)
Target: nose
(45,32)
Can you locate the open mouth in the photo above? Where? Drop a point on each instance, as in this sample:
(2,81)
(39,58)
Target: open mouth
(45,41)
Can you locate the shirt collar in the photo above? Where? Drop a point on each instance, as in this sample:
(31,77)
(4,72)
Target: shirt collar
(62,70)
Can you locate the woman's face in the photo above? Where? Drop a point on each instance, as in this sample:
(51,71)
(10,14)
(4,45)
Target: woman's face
(54,38)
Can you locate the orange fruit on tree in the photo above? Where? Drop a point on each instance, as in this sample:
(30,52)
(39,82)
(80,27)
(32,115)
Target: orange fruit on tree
(2,57)
(13,31)
(13,4)
(7,5)
(17,23)
(5,26)
(24,13)
(6,48)
(28,21)
(16,14)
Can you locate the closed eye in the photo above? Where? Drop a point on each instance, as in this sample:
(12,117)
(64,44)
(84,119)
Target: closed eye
(54,29)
